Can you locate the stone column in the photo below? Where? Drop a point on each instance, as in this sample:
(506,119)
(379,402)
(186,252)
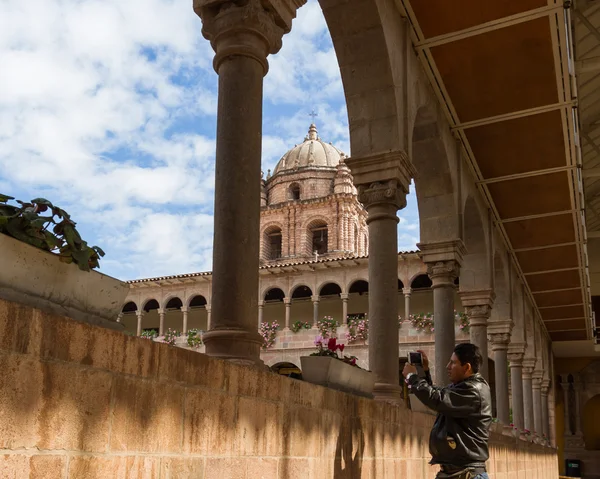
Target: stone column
(577,388)
(382,181)
(515,357)
(119,317)
(499,334)
(478,306)
(288,311)
(315,301)
(443,262)
(528,366)
(537,401)
(161,324)
(208,317)
(242,35)
(545,409)
(261,312)
(140,315)
(407,292)
(344,297)
(565,388)
(184,313)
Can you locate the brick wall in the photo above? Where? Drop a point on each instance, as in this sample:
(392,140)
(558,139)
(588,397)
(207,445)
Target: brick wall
(81,402)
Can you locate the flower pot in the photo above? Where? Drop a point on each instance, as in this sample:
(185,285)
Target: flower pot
(336,374)
(39,279)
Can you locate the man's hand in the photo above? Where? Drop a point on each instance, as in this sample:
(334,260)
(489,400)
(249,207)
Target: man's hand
(408,368)
(425,359)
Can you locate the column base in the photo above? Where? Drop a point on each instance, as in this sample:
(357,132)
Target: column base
(234,344)
(391,393)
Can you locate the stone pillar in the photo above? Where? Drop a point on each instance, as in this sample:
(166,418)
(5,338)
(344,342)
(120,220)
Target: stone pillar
(537,401)
(140,315)
(478,306)
(528,366)
(499,334)
(288,311)
(242,35)
(515,357)
(119,317)
(184,313)
(161,324)
(208,317)
(407,292)
(315,301)
(344,297)
(577,388)
(261,312)
(443,262)
(565,388)
(382,181)
(545,409)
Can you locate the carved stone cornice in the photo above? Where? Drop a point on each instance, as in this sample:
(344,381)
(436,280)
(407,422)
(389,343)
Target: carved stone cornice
(377,193)
(528,367)
(253,28)
(442,251)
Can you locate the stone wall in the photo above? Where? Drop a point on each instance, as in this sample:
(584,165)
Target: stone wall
(81,402)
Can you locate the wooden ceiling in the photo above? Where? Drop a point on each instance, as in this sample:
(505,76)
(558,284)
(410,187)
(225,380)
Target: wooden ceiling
(503,70)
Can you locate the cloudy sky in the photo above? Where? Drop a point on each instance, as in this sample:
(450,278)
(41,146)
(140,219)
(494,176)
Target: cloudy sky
(108,109)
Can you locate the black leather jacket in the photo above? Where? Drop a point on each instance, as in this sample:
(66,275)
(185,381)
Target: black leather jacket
(461,430)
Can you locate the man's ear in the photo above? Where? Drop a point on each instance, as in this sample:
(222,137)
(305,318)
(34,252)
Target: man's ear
(469,368)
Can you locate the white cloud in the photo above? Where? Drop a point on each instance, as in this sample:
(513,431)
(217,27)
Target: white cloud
(108,108)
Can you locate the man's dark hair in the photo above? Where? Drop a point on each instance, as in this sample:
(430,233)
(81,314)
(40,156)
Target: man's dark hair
(469,353)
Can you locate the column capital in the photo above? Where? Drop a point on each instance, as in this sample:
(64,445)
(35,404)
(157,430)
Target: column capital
(160,311)
(545,387)
(442,251)
(528,367)
(253,28)
(139,312)
(315,298)
(261,304)
(537,377)
(388,192)
(344,296)
(478,305)
(407,291)
(499,334)
(185,309)
(394,166)
(287,301)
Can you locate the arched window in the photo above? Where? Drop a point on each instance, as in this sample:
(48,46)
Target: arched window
(272,244)
(294,191)
(318,237)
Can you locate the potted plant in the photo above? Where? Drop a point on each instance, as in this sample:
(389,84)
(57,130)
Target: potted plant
(327,368)
(46,264)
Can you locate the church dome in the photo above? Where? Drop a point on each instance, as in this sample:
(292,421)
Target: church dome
(311,153)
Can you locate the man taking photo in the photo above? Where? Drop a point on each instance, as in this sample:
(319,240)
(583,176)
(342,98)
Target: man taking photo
(459,439)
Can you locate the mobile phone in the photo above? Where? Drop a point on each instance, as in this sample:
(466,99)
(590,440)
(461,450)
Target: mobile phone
(415,358)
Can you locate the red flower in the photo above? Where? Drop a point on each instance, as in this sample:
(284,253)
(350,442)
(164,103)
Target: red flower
(340,347)
(332,344)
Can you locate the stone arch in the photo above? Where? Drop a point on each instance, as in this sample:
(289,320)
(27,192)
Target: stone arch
(358,285)
(420,281)
(171,301)
(361,35)
(129,307)
(274,293)
(319,289)
(271,247)
(474,272)
(300,290)
(196,300)
(150,304)
(591,423)
(288,369)
(433,181)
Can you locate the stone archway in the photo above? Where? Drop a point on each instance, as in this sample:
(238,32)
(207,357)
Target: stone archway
(475,271)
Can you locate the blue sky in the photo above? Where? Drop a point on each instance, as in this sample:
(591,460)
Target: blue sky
(108,109)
